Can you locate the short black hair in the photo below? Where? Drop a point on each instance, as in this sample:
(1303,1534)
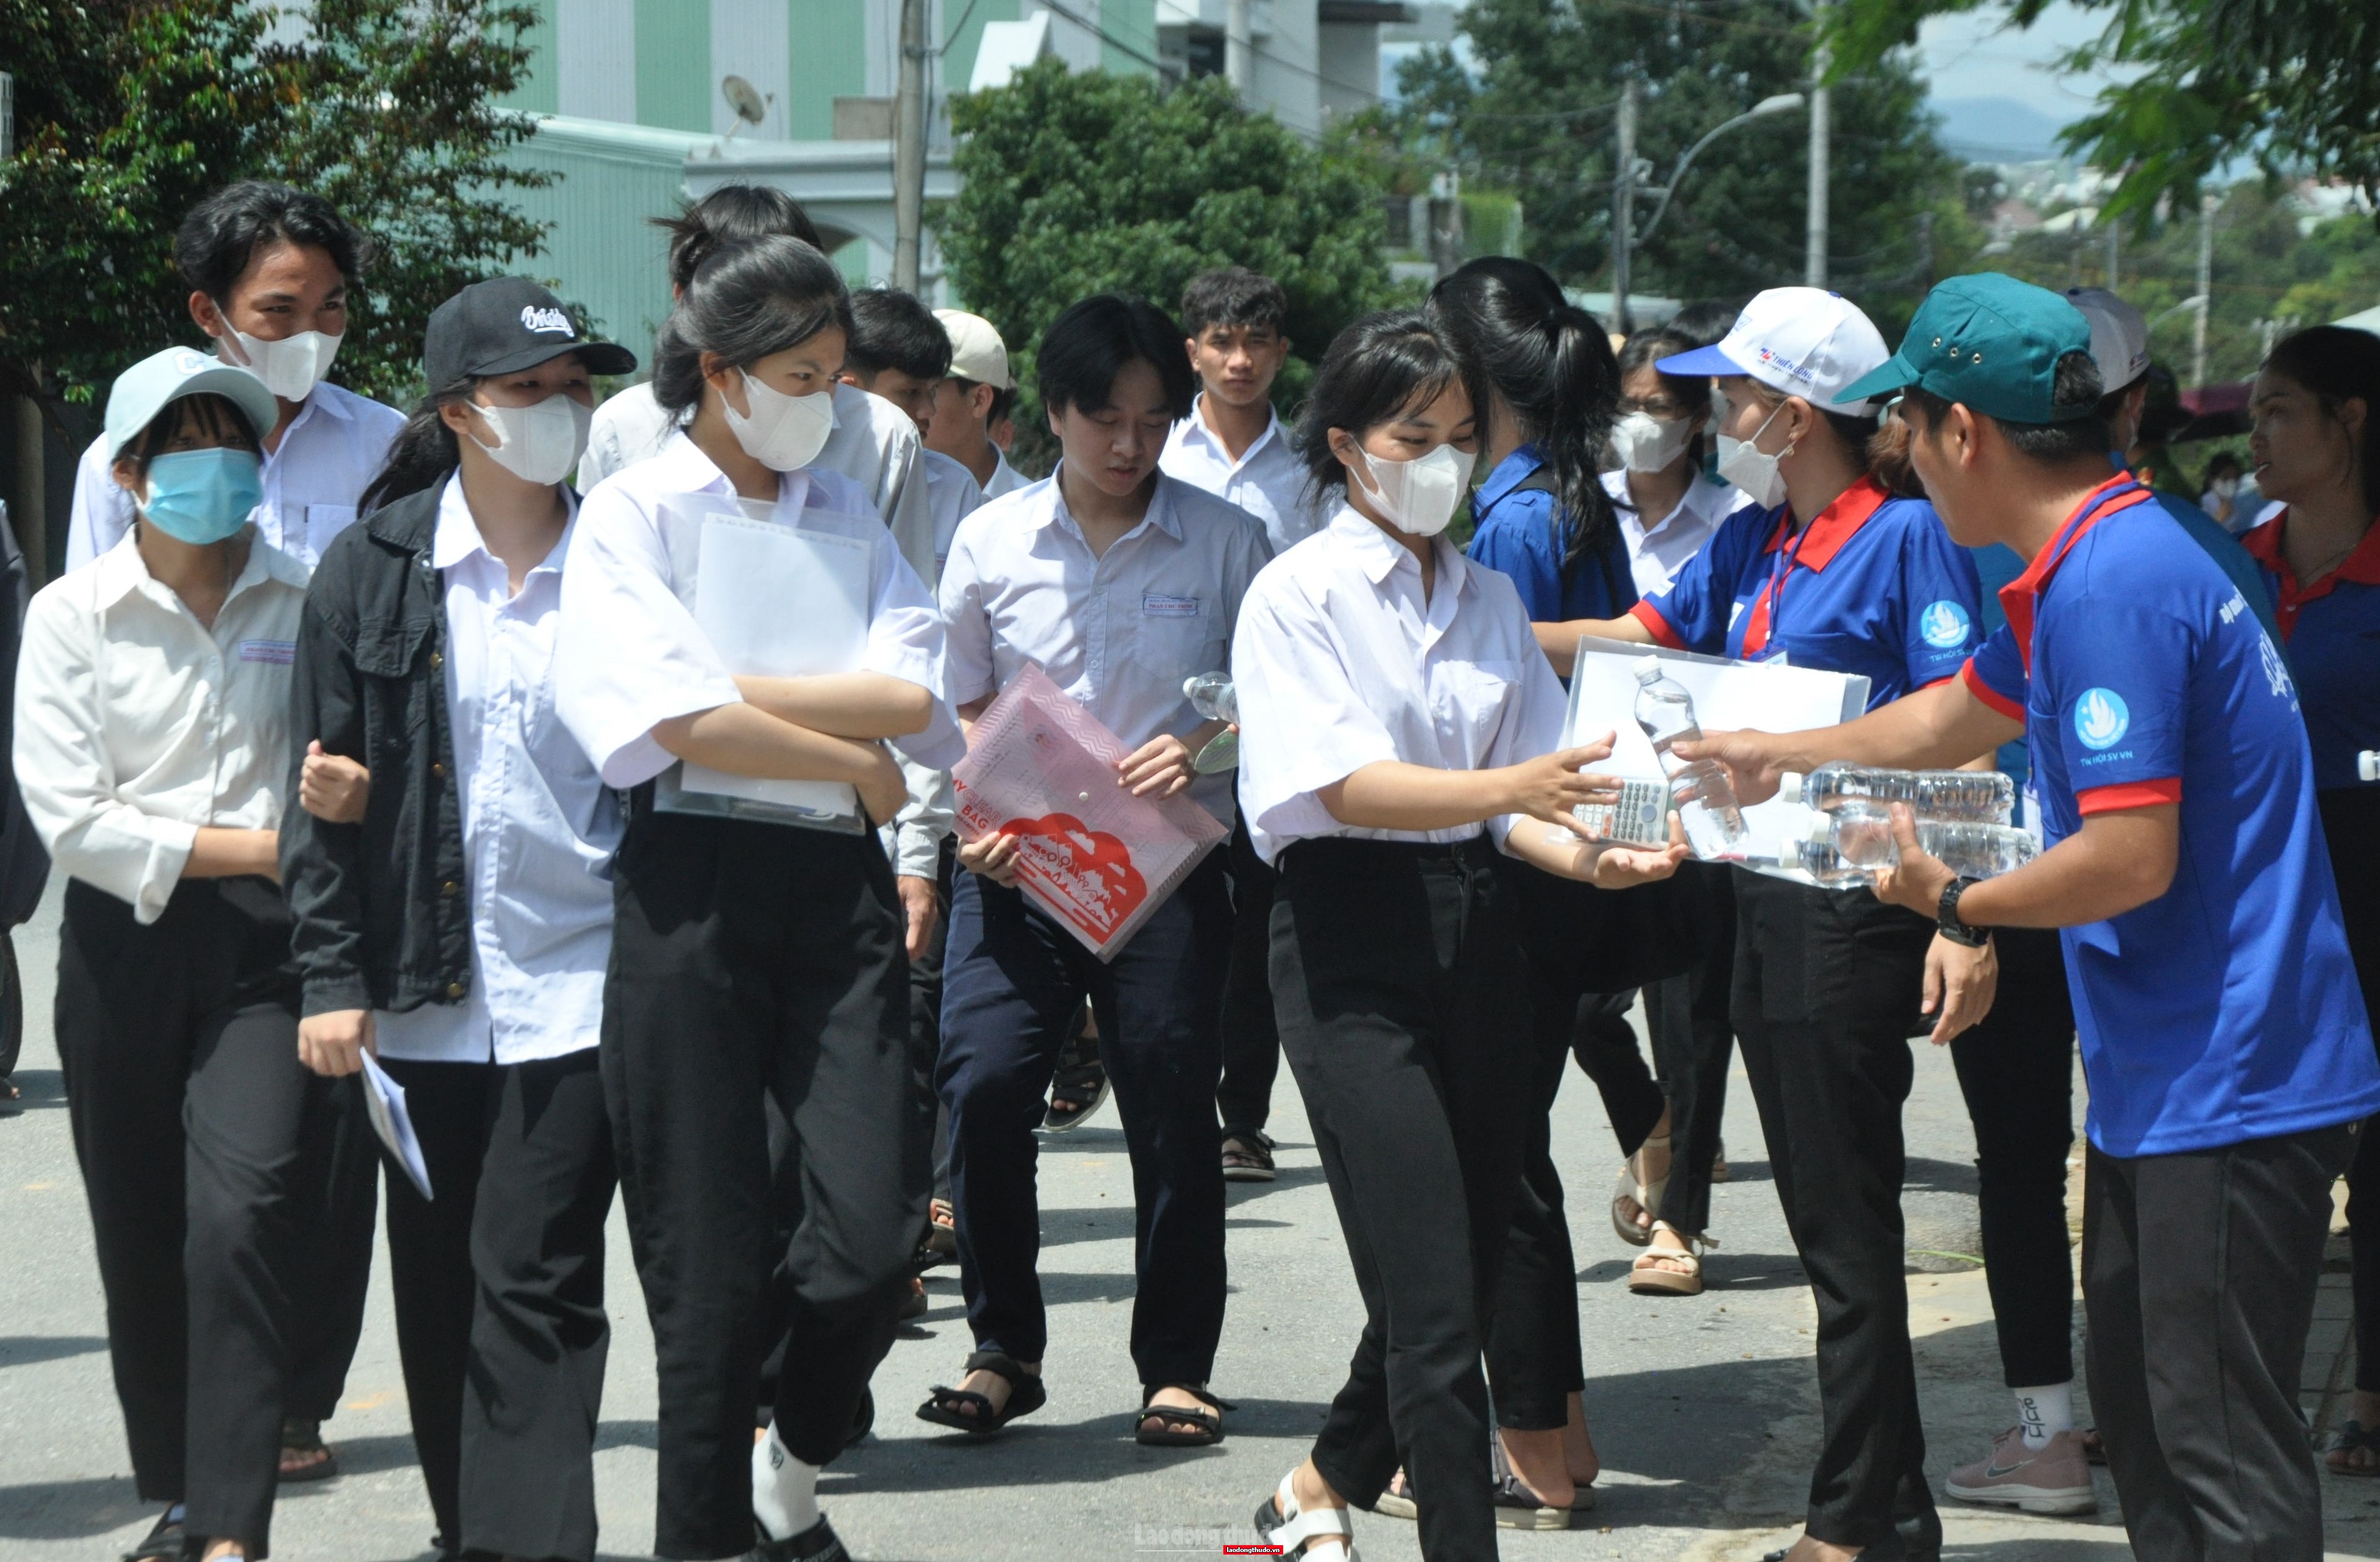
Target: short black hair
(219,416)
(2075,384)
(731,214)
(746,301)
(1234,296)
(1706,320)
(1088,347)
(223,232)
(1001,400)
(2220,462)
(1375,369)
(893,329)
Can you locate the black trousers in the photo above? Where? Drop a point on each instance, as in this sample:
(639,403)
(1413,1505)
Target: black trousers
(1694,1040)
(2016,1069)
(1828,987)
(1534,1355)
(335,1258)
(199,1134)
(1398,976)
(750,961)
(2199,1273)
(499,1292)
(1599,1037)
(2350,822)
(1251,1035)
(1012,981)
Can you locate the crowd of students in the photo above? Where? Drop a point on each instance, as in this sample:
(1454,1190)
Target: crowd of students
(406,745)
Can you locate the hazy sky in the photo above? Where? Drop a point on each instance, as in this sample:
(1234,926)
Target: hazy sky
(1970,57)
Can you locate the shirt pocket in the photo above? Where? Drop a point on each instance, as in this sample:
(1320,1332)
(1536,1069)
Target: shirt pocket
(1177,637)
(1468,701)
(325,522)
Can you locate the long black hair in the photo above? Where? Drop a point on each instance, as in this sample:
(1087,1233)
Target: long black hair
(1551,363)
(2338,364)
(423,453)
(746,301)
(1375,369)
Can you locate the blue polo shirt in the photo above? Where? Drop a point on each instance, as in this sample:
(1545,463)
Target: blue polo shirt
(1518,531)
(2333,632)
(2226,1009)
(1871,585)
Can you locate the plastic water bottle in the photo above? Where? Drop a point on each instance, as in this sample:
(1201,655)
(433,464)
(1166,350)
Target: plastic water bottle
(1861,834)
(1975,797)
(1818,858)
(2367,765)
(1213,697)
(1707,806)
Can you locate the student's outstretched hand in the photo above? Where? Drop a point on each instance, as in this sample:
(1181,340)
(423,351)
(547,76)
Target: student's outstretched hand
(994,857)
(1752,766)
(333,787)
(335,1044)
(1160,767)
(1551,785)
(1625,867)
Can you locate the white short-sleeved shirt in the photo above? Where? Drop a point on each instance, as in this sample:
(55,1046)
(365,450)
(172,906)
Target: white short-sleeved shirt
(631,654)
(1340,664)
(1005,478)
(951,490)
(1118,632)
(1267,481)
(137,724)
(1659,549)
(328,455)
(539,825)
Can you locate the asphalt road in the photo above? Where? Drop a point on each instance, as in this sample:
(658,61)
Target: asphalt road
(1705,1409)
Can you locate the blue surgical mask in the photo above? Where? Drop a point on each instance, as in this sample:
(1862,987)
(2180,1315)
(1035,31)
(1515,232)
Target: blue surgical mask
(202,496)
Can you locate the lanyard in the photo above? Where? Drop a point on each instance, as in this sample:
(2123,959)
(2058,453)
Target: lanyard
(1760,622)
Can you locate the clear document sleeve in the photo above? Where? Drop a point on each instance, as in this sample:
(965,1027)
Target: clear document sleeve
(1091,854)
(384,1104)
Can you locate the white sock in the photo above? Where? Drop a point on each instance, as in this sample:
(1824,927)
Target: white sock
(784,1490)
(2044,1412)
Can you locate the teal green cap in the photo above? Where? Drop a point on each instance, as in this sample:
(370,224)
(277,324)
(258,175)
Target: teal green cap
(1991,343)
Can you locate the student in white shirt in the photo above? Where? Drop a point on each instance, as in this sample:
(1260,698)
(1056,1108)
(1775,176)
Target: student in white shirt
(1398,727)
(461,928)
(977,392)
(151,742)
(1667,507)
(270,269)
(1120,582)
(751,958)
(900,353)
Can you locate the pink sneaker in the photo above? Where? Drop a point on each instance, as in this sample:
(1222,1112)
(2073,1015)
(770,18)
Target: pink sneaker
(2055,1480)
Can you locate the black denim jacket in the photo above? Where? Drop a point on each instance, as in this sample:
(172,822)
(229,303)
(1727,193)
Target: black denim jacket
(382,919)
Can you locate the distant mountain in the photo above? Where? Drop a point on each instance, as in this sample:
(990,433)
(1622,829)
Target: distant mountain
(1996,131)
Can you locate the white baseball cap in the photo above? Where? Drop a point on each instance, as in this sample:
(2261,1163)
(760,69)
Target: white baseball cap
(1804,341)
(977,351)
(2119,336)
(146,389)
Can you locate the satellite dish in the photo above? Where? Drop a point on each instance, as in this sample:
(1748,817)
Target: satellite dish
(746,100)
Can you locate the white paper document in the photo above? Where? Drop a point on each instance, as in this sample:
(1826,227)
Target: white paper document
(384,1104)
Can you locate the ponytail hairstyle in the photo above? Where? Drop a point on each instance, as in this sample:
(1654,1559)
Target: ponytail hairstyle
(1646,349)
(2337,364)
(743,303)
(423,453)
(730,214)
(1551,363)
(1375,370)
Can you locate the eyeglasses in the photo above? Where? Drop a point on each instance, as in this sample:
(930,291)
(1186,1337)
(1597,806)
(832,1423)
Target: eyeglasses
(1657,406)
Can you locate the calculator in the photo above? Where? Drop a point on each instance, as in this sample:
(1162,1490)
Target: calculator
(1640,818)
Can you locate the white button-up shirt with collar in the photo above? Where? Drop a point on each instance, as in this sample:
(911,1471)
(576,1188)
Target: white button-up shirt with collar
(1657,550)
(1340,663)
(1120,631)
(1267,481)
(137,724)
(327,456)
(539,825)
(1005,478)
(951,491)
(632,656)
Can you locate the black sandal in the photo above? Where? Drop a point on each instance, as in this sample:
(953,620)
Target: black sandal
(1080,1081)
(166,1539)
(2352,1437)
(1026,1395)
(1205,1427)
(306,1437)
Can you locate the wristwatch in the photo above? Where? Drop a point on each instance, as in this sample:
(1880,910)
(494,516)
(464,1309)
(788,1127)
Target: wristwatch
(1946,917)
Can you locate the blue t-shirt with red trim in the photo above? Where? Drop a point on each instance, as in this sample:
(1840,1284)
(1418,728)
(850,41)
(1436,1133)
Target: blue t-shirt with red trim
(1873,584)
(2226,1009)
(2332,630)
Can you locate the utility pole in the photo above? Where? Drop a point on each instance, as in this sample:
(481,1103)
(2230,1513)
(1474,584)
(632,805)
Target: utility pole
(1445,221)
(1238,48)
(1623,205)
(1814,260)
(2206,206)
(909,150)
(2112,237)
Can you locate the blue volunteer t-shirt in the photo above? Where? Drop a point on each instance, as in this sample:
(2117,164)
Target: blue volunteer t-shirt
(1871,585)
(2333,643)
(1518,531)
(2226,1009)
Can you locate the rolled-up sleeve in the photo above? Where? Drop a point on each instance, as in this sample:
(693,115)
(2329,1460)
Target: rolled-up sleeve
(62,768)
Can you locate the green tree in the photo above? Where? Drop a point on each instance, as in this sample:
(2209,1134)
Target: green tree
(128,110)
(1077,184)
(1535,112)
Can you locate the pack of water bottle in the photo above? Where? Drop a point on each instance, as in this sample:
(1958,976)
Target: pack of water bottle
(1963,820)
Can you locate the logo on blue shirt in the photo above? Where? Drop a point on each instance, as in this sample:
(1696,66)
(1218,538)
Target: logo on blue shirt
(2101,719)
(2276,671)
(1944,624)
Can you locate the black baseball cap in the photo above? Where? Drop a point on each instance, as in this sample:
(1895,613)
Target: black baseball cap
(504,325)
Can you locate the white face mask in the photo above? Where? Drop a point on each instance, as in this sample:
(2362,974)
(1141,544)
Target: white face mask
(292,366)
(1743,463)
(2226,488)
(541,443)
(784,433)
(1646,443)
(1420,497)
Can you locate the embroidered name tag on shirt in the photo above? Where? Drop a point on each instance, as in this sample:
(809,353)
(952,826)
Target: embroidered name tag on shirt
(1155,606)
(279,652)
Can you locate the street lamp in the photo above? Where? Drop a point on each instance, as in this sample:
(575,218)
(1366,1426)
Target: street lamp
(1783,102)
(1623,188)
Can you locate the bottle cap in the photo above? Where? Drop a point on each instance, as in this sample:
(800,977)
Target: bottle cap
(1648,669)
(2367,764)
(1789,786)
